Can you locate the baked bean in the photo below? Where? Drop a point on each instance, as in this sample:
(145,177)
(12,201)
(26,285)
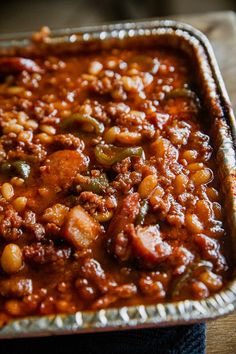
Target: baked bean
(11,258)
(31,124)
(44,192)
(25,136)
(22,117)
(44,138)
(190,155)
(160,146)
(202,177)
(14,307)
(133,83)
(95,67)
(7,191)
(217,210)
(212,194)
(20,203)
(66,113)
(196,166)
(193,224)
(48,129)
(17,181)
(180,183)
(111,134)
(13,128)
(204,210)
(147,185)
(27,94)
(63,306)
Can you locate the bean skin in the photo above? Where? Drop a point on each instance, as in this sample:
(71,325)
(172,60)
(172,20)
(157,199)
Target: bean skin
(11,259)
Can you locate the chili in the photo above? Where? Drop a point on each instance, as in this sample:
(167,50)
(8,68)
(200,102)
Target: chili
(109,193)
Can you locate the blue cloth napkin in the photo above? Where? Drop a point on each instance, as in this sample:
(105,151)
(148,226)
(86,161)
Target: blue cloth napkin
(172,340)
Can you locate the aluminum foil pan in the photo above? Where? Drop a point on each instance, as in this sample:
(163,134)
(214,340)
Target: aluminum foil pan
(222,120)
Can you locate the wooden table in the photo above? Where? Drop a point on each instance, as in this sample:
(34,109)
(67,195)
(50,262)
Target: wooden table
(220,28)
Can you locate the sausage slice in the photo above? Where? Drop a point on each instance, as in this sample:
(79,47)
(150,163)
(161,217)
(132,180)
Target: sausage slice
(149,245)
(61,168)
(125,214)
(80,228)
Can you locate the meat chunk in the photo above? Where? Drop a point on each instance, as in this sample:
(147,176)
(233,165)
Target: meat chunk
(61,168)
(125,214)
(149,245)
(142,245)
(10,226)
(180,258)
(68,141)
(16,287)
(80,229)
(92,270)
(32,226)
(45,253)
(55,214)
(210,250)
(118,241)
(12,65)
(124,291)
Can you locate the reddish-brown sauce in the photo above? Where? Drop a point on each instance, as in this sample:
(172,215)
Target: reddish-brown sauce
(108,195)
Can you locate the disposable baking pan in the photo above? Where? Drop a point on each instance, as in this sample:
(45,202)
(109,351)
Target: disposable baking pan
(221,118)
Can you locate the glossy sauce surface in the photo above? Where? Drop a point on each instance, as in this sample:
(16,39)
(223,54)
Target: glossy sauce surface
(108,194)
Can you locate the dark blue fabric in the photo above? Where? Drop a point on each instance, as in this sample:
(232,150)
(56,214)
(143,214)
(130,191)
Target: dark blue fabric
(172,340)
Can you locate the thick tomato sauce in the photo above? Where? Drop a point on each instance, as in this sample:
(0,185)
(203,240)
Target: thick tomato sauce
(108,194)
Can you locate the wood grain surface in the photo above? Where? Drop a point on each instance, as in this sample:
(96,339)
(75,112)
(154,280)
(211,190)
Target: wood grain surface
(220,28)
